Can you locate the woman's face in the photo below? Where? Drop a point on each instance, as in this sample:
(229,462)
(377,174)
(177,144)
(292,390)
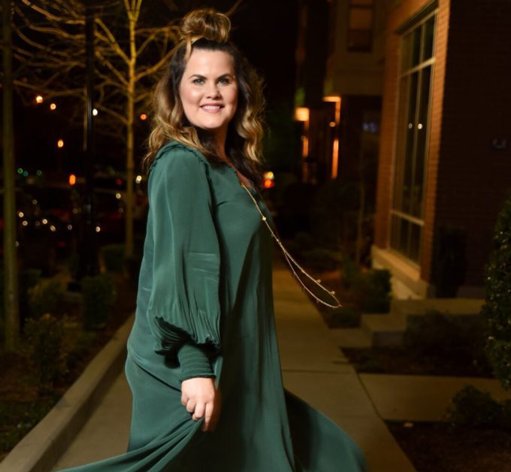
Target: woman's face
(209,91)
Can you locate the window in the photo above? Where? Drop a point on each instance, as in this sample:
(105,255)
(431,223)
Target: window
(360,25)
(411,151)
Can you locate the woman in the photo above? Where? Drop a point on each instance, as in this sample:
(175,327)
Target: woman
(204,323)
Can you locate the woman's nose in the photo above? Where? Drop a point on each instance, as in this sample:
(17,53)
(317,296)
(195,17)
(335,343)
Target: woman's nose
(212,90)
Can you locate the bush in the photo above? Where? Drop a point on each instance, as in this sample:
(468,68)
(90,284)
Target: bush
(47,297)
(98,297)
(113,257)
(497,307)
(27,280)
(44,343)
(372,290)
(472,407)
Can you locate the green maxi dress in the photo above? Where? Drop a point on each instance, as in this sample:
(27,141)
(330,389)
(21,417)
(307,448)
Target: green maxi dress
(205,308)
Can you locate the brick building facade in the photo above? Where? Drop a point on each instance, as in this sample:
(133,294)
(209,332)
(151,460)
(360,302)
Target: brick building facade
(445,146)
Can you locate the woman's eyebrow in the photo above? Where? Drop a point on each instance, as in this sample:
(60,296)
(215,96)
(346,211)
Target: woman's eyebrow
(200,76)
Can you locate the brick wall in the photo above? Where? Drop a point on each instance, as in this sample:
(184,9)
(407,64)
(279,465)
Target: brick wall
(398,16)
(474,177)
(467,177)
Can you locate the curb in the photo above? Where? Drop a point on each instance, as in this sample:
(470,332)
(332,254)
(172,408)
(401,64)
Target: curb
(40,449)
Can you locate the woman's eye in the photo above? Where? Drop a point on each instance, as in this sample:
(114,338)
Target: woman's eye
(198,81)
(225,81)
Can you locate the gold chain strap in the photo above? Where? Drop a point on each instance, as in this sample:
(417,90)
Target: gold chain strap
(295,266)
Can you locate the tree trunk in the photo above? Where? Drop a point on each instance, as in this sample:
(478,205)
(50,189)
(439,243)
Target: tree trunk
(12,321)
(130,135)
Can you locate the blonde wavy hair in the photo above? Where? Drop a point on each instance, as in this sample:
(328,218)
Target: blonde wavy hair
(207,29)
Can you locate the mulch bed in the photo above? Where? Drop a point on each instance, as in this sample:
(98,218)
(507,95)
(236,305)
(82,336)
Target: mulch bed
(401,361)
(439,447)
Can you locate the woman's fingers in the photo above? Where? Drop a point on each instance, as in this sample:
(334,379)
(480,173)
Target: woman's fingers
(201,399)
(198,413)
(190,406)
(208,413)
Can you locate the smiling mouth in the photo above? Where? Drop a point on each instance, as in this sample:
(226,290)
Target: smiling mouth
(211,108)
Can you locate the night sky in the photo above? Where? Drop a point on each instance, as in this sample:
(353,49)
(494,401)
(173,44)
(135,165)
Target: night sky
(264,30)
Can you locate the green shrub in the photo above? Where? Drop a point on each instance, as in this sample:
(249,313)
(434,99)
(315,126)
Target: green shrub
(372,290)
(28,278)
(44,344)
(472,407)
(47,297)
(497,307)
(98,297)
(113,257)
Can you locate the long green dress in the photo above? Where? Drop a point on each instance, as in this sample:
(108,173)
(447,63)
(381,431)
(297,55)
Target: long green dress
(205,308)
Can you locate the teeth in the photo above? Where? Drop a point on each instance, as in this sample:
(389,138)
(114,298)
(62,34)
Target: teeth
(211,107)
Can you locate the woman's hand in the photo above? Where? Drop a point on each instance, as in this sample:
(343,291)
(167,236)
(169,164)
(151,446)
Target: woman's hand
(201,398)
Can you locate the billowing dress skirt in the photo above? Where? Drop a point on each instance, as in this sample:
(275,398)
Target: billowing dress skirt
(205,305)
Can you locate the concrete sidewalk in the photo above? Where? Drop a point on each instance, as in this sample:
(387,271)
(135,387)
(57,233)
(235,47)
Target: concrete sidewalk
(313,368)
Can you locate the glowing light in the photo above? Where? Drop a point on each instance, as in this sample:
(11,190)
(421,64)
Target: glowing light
(118,196)
(39,99)
(335,158)
(69,227)
(143,116)
(268,180)
(60,143)
(420,126)
(302,114)
(95,112)
(53,106)
(138,179)
(24,223)
(98,229)
(335,145)
(72,179)
(21,214)
(44,221)
(305,146)
(53,229)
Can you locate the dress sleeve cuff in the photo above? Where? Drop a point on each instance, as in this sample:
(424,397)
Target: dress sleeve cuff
(194,362)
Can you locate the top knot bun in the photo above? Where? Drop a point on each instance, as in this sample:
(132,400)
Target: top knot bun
(205,23)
